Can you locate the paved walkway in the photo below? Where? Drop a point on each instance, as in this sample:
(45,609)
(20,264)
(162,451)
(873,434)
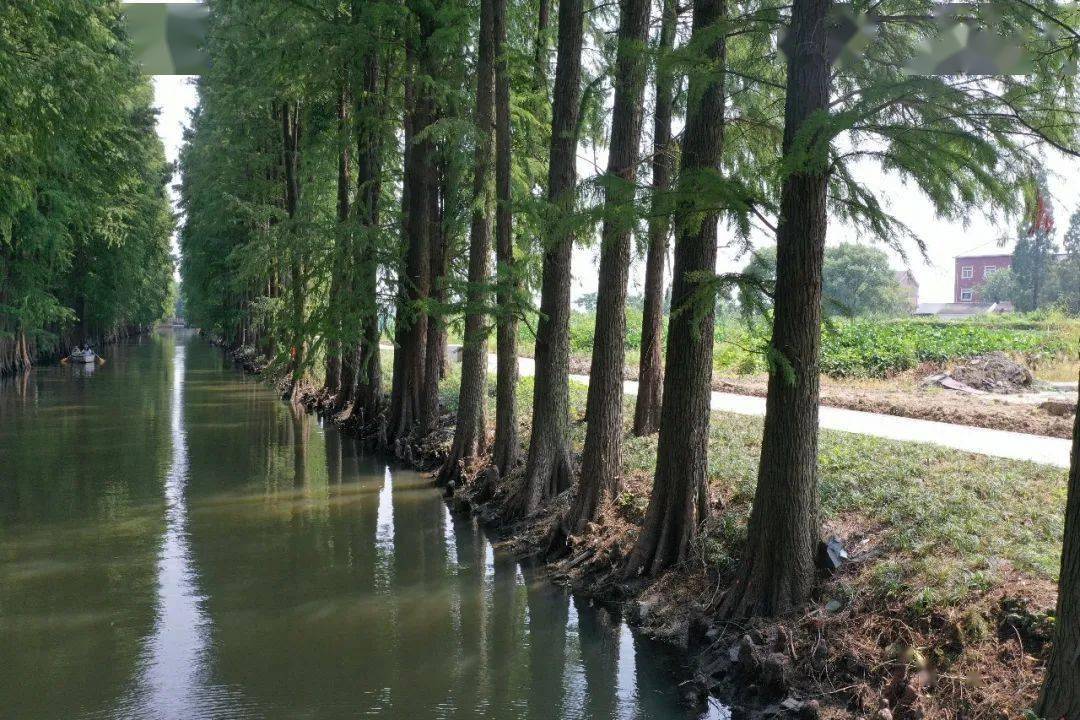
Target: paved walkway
(983,441)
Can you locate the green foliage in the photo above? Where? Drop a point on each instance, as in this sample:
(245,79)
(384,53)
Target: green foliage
(1033,260)
(1063,286)
(84,216)
(864,347)
(878,349)
(1040,277)
(867,347)
(1000,286)
(857,280)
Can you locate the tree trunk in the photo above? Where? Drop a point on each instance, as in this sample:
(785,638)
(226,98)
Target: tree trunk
(290,137)
(547,470)
(410,333)
(540,49)
(650,371)
(1060,696)
(505,454)
(470,432)
(602,457)
(362,367)
(676,505)
(333,383)
(435,353)
(783,534)
(24,352)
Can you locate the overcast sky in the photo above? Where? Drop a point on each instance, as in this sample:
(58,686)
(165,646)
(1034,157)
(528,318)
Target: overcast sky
(175,96)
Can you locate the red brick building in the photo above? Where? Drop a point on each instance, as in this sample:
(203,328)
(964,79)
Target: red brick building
(972,271)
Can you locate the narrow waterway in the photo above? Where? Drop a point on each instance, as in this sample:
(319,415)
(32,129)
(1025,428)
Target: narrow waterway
(176,543)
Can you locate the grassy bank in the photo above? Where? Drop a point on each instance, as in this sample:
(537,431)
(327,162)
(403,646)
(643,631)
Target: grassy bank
(945,523)
(950,583)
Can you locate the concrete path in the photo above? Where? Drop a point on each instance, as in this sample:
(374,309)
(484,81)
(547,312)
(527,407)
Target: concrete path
(982,441)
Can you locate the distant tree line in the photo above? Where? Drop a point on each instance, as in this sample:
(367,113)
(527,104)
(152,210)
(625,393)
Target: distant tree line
(1042,275)
(856,280)
(84,215)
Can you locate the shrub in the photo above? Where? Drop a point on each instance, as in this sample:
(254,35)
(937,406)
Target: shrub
(869,347)
(881,348)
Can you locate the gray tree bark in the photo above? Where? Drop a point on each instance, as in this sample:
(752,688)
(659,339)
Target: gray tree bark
(778,572)
(650,363)
(362,365)
(505,452)
(602,457)
(547,469)
(333,381)
(676,505)
(470,431)
(410,331)
(1060,696)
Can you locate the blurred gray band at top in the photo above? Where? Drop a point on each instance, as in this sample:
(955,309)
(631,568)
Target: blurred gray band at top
(961,38)
(168,38)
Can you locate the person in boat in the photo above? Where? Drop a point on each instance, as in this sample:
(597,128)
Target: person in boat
(76,350)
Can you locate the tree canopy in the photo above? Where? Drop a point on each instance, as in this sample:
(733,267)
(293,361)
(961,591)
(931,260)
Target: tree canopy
(84,214)
(857,281)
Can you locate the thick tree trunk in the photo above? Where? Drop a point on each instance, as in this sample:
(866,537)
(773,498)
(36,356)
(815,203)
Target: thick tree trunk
(362,366)
(505,453)
(333,383)
(435,353)
(1061,692)
(290,138)
(676,505)
(547,470)
(783,535)
(470,432)
(650,370)
(602,457)
(410,333)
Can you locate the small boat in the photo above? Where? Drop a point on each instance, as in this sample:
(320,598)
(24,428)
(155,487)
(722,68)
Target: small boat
(83,356)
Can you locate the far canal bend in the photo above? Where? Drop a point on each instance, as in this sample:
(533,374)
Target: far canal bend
(177,543)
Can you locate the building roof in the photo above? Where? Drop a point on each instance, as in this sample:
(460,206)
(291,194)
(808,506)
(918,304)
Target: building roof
(986,249)
(905,277)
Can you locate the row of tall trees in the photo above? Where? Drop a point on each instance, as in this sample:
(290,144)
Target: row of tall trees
(467,129)
(84,215)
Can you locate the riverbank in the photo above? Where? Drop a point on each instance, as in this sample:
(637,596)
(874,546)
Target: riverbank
(19,354)
(943,606)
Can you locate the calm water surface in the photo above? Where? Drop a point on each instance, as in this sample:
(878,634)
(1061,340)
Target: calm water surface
(176,543)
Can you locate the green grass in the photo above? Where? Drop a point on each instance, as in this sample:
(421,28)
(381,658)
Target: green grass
(947,523)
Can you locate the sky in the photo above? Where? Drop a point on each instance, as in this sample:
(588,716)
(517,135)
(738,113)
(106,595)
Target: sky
(175,97)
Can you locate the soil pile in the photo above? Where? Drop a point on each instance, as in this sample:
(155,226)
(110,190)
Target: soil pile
(993,372)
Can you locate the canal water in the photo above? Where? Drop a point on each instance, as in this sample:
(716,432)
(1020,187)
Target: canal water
(177,543)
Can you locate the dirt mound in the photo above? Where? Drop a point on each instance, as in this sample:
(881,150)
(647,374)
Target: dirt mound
(993,372)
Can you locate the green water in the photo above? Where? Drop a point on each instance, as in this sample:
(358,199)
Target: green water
(177,543)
